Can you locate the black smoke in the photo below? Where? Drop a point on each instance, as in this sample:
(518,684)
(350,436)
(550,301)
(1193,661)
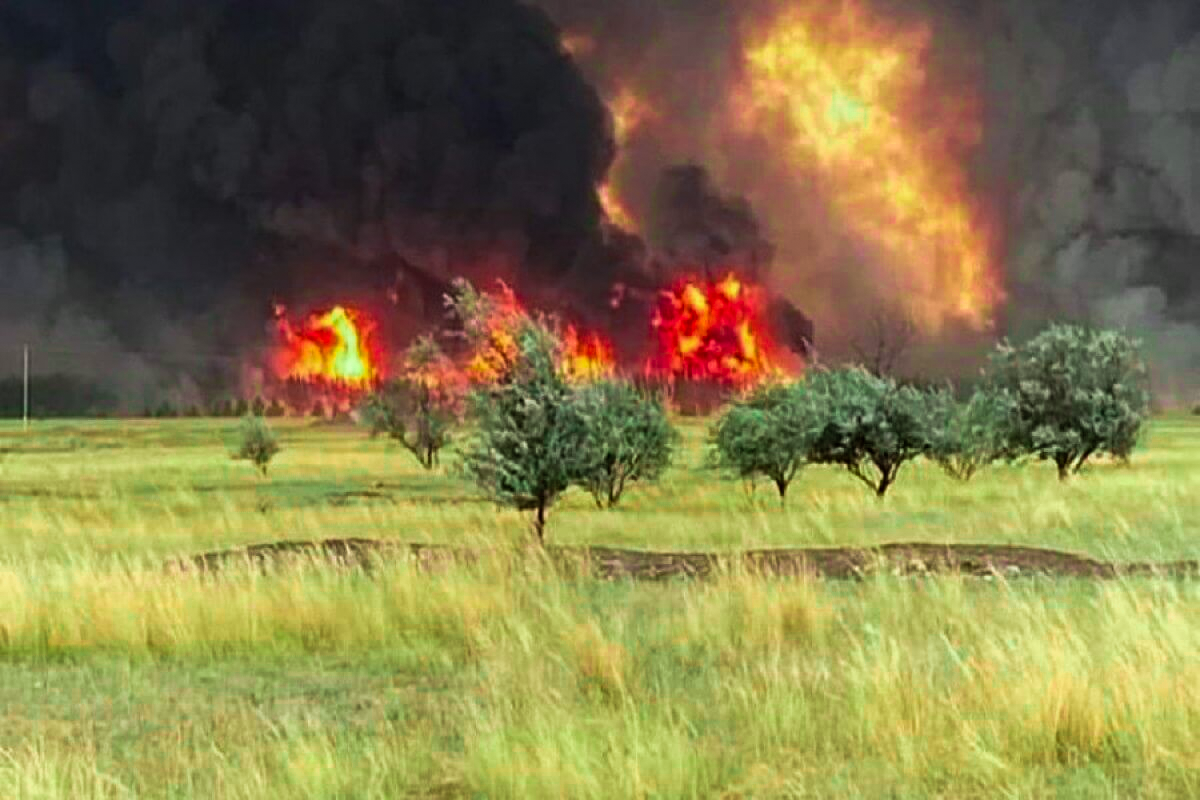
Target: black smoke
(693,226)
(168,169)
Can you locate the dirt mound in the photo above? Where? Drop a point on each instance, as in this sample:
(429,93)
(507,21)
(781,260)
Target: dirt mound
(839,563)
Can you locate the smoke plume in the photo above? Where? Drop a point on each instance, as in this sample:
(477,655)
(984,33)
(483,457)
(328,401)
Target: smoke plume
(169,169)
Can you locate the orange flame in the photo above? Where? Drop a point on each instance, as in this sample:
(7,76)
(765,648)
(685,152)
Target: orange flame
(585,356)
(334,348)
(495,342)
(615,210)
(712,331)
(842,88)
(629,112)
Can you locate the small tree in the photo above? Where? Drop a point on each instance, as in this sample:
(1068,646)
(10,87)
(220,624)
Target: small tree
(421,408)
(871,426)
(258,443)
(1074,392)
(966,437)
(766,434)
(630,439)
(531,442)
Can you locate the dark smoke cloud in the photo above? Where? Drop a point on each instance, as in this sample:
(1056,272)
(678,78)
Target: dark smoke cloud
(168,168)
(1095,115)
(171,164)
(694,227)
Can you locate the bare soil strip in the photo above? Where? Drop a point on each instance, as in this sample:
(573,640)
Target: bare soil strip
(838,563)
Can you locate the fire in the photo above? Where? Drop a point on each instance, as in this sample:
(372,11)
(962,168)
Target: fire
(843,89)
(615,210)
(629,112)
(712,330)
(585,355)
(334,348)
(493,334)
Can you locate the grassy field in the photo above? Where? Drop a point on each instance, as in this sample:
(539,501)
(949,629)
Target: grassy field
(120,680)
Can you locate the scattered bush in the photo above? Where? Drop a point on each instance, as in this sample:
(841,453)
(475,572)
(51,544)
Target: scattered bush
(871,426)
(629,439)
(258,443)
(1074,392)
(766,434)
(531,442)
(966,437)
(421,408)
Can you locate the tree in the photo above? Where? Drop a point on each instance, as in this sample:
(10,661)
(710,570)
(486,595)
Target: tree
(630,439)
(966,437)
(531,440)
(883,341)
(490,324)
(420,409)
(768,434)
(872,427)
(258,443)
(1074,392)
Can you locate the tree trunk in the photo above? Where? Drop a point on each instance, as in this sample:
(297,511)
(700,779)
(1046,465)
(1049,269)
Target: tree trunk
(1064,469)
(539,524)
(782,486)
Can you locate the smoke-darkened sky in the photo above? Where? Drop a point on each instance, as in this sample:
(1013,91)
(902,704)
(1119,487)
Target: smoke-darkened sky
(1087,168)
(169,168)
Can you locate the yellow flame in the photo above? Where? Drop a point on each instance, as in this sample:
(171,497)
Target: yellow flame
(349,361)
(614,209)
(842,90)
(629,112)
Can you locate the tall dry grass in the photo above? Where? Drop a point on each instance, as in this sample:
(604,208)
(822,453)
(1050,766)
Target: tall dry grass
(504,679)
(568,688)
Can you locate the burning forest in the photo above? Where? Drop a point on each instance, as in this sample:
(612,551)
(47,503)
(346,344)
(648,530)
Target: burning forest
(697,191)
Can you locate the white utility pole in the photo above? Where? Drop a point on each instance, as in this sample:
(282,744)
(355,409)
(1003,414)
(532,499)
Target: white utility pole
(25,391)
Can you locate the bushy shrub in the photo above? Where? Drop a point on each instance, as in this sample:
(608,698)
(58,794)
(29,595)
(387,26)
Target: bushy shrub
(871,426)
(531,439)
(258,443)
(766,434)
(967,436)
(629,439)
(420,409)
(1074,393)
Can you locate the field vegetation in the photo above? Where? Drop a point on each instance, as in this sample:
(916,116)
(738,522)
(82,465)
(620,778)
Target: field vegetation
(506,679)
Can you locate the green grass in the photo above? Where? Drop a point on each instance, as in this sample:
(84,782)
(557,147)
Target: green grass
(118,679)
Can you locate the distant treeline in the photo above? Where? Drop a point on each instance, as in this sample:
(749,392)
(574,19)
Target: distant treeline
(56,396)
(61,396)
